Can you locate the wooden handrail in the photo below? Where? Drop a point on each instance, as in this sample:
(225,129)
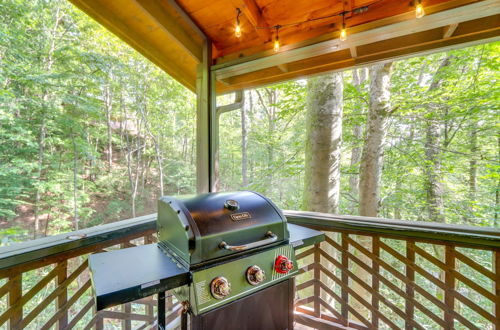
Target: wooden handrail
(459,234)
(72,243)
(35,250)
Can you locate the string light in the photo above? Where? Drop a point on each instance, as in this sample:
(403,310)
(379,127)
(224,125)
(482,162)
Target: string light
(343,32)
(277,39)
(419,9)
(419,12)
(237,29)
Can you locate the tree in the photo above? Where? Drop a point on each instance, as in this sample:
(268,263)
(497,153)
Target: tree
(323,142)
(373,148)
(433,184)
(358,78)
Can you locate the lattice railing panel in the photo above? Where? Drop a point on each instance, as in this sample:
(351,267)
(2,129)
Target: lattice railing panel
(370,281)
(58,295)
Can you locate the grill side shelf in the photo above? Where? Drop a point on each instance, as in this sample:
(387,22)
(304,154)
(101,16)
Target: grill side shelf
(129,274)
(301,236)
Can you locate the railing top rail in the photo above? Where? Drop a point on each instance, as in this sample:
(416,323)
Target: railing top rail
(81,240)
(38,249)
(482,236)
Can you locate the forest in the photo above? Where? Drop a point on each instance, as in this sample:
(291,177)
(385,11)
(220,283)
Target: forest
(91,132)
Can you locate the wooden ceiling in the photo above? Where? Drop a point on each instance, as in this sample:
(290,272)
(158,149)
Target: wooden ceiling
(171,34)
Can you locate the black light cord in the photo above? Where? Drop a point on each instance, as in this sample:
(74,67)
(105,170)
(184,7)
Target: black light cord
(358,10)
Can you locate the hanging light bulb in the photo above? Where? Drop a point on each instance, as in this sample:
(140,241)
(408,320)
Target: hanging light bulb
(343,32)
(237,29)
(419,10)
(277,40)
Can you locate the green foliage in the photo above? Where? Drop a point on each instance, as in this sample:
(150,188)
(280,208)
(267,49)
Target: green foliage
(57,65)
(467,100)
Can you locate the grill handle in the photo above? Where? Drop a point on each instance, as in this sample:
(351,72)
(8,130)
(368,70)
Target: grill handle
(270,239)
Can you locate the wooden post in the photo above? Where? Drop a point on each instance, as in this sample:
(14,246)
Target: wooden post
(317,280)
(496,268)
(149,308)
(345,279)
(449,281)
(126,308)
(15,294)
(410,294)
(62,275)
(206,153)
(375,281)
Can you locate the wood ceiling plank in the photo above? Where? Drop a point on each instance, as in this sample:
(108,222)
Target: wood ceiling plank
(428,22)
(379,13)
(170,25)
(254,15)
(430,43)
(154,44)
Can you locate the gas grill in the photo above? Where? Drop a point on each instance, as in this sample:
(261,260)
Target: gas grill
(229,258)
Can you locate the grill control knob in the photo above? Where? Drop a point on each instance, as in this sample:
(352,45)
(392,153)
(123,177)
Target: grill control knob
(220,287)
(255,275)
(283,265)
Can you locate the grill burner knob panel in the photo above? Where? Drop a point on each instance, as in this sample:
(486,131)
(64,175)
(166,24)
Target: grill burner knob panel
(283,265)
(255,275)
(220,287)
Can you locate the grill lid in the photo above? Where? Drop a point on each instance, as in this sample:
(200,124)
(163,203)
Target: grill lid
(215,225)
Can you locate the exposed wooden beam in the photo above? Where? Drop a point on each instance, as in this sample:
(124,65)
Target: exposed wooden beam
(453,16)
(283,67)
(170,25)
(144,41)
(353,51)
(449,30)
(254,15)
(325,63)
(381,13)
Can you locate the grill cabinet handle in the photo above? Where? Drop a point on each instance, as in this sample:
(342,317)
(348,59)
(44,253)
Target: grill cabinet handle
(270,239)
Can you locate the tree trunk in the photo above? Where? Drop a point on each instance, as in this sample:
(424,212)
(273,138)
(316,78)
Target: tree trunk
(323,142)
(108,107)
(49,62)
(473,164)
(156,144)
(433,185)
(75,184)
(247,105)
(358,77)
(373,148)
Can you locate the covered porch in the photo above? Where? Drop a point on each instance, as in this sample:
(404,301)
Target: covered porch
(370,272)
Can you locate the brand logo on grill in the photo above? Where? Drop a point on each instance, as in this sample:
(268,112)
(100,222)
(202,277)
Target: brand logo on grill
(241,216)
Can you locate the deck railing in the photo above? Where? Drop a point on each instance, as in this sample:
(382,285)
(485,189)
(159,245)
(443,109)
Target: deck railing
(369,273)
(378,273)
(45,283)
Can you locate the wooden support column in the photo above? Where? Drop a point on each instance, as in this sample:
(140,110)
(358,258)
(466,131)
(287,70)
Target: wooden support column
(317,280)
(206,146)
(62,275)
(127,307)
(496,284)
(410,292)
(344,308)
(449,281)
(15,294)
(375,280)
